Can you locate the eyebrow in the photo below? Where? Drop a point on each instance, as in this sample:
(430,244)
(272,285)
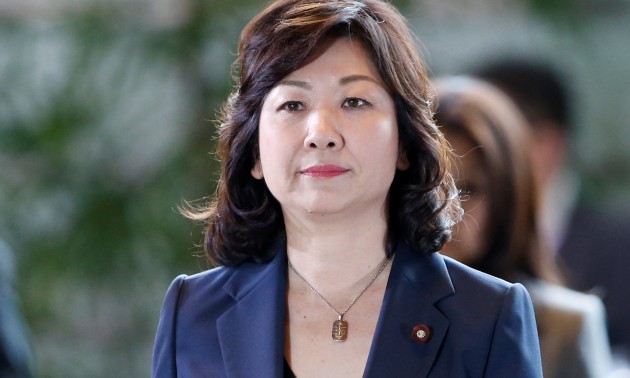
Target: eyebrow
(343,81)
(295,83)
(353,78)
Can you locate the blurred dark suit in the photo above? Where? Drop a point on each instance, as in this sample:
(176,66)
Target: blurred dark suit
(14,349)
(596,254)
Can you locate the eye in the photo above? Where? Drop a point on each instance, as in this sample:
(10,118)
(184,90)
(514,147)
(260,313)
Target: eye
(354,102)
(292,106)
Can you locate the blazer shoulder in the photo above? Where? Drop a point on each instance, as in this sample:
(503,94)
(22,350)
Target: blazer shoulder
(491,323)
(199,291)
(484,297)
(469,279)
(208,279)
(207,320)
(192,305)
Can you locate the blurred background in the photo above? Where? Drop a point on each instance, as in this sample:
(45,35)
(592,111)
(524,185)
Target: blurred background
(107,112)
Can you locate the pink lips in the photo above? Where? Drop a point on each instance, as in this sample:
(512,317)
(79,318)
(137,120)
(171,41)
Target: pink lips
(324,171)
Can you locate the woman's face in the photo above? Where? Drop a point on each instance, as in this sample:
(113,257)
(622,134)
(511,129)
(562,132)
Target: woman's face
(328,135)
(468,243)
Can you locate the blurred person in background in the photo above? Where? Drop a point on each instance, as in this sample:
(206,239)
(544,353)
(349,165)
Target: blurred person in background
(15,355)
(500,233)
(591,243)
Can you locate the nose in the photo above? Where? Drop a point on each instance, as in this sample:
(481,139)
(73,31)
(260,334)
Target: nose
(322,132)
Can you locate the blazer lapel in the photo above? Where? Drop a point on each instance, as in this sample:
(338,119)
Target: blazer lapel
(251,332)
(416,283)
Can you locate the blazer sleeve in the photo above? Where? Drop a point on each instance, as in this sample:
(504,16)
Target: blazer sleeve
(515,350)
(164,365)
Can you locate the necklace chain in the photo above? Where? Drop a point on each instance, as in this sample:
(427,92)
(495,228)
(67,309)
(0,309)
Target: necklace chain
(356,298)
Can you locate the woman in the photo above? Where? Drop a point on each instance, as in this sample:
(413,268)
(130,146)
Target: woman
(500,233)
(334,196)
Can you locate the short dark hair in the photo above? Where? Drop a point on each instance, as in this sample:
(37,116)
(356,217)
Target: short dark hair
(538,88)
(245,218)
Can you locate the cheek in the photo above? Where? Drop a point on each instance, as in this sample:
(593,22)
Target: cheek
(468,244)
(478,213)
(270,150)
(476,224)
(381,141)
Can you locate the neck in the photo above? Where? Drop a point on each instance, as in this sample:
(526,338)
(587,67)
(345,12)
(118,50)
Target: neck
(339,252)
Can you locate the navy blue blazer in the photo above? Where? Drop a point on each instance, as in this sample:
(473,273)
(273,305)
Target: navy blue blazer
(229,322)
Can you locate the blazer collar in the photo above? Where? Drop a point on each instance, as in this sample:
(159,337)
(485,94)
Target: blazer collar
(251,332)
(416,284)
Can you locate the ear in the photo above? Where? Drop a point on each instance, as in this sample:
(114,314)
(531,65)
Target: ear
(402,163)
(256,171)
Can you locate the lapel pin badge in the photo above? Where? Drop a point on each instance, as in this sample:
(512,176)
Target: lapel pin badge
(420,333)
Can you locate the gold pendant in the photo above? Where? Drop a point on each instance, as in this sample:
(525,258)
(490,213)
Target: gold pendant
(340,330)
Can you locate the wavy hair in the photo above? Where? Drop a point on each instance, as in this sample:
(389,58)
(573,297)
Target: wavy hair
(244,218)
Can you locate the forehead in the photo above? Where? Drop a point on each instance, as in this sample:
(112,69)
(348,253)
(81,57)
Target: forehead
(342,56)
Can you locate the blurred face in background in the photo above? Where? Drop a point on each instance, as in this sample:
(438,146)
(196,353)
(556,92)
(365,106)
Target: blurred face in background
(469,236)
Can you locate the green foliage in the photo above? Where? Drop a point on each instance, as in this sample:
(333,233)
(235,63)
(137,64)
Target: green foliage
(105,128)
